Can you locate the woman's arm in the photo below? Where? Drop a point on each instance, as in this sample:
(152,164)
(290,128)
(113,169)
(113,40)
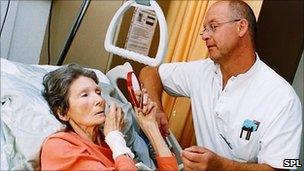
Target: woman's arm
(121,154)
(146,119)
(150,127)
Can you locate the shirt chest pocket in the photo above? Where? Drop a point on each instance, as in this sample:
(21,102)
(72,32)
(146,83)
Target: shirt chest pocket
(244,144)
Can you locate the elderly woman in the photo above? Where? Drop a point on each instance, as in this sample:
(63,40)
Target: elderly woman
(75,99)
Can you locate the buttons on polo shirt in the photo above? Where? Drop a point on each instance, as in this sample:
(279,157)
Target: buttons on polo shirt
(219,115)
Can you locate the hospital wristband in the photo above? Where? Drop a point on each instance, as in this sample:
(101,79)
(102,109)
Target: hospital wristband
(117,144)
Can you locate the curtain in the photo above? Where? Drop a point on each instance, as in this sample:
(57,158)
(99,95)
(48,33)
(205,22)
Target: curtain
(185,20)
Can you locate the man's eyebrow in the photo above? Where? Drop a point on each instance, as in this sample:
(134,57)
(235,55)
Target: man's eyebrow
(211,21)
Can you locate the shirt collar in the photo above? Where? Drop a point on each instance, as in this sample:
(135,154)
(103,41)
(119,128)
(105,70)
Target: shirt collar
(253,69)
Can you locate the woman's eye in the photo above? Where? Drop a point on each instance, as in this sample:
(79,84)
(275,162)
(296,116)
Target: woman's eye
(84,95)
(98,92)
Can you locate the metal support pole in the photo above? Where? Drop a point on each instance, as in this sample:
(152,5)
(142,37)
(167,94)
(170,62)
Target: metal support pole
(69,40)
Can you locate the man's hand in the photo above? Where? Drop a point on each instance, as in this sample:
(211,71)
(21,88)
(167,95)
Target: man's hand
(200,158)
(162,121)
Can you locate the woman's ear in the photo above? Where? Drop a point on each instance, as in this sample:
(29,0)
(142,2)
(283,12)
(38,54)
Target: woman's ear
(62,116)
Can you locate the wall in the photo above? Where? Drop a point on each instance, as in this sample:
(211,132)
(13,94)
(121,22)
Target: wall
(87,48)
(298,85)
(298,82)
(23,32)
(280,36)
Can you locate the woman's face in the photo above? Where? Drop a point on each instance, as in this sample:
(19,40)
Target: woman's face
(86,106)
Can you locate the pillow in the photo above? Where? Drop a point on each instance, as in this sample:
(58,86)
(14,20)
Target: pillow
(25,122)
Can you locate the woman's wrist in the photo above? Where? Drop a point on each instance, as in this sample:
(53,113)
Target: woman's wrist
(157,141)
(117,144)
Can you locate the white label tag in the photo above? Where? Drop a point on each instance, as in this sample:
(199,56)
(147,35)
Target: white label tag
(141,31)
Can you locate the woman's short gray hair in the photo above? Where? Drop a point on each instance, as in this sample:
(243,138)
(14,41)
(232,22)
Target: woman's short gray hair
(57,84)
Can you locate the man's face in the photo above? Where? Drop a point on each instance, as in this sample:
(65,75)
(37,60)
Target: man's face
(220,31)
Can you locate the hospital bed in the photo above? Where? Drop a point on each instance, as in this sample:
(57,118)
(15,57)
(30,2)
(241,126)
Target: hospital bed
(26,119)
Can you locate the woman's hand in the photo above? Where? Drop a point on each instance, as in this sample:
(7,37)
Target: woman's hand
(114,120)
(145,114)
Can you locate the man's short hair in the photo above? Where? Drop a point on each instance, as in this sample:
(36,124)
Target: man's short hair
(240,10)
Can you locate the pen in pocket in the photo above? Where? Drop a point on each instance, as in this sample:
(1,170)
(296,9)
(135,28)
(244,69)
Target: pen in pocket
(229,145)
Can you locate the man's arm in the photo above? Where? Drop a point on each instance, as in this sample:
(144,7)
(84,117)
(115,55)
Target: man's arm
(150,79)
(203,159)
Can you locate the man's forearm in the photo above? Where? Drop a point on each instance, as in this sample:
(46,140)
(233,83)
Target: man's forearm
(200,158)
(149,77)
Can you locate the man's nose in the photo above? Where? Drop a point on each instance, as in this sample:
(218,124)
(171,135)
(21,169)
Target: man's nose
(205,35)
